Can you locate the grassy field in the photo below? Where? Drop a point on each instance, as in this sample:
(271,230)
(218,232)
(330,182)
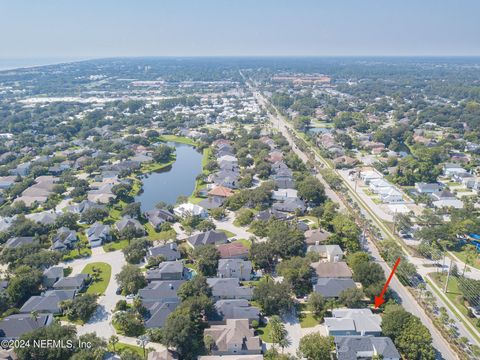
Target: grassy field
(154,235)
(453,293)
(308,320)
(462,255)
(228,233)
(306,317)
(264,333)
(115,245)
(100,285)
(178,139)
(122,346)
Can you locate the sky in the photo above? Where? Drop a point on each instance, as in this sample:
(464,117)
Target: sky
(109,28)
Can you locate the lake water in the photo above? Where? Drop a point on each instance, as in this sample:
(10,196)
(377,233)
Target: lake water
(169,184)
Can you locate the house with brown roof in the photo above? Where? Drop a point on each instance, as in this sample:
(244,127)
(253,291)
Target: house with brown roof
(220,191)
(338,269)
(316,236)
(234,338)
(234,250)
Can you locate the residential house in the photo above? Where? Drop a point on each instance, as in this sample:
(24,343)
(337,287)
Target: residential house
(332,269)
(44,218)
(189,209)
(391,196)
(331,288)
(18,241)
(284,194)
(428,188)
(361,322)
(234,250)
(237,309)
(14,326)
(49,302)
(159,312)
(83,206)
(163,291)
(210,237)
(165,354)
(446,199)
(167,270)
(77,282)
(332,253)
(220,192)
(64,239)
(290,205)
(450,169)
(211,203)
(98,233)
(229,288)
(369,176)
(234,338)
(365,347)
(127,222)
(52,275)
(157,217)
(234,268)
(316,236)
(168,251)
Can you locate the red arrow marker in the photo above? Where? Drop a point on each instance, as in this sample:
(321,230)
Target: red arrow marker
(379,300)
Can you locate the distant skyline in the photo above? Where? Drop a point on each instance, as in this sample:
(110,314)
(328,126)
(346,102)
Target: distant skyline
(63,30)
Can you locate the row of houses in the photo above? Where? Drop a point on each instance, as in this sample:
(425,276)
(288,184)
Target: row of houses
(46,305)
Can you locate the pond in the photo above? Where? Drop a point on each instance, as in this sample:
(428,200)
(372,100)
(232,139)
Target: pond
(168,184)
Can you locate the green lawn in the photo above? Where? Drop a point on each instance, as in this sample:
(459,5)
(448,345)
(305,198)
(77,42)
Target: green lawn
(122,346)
(154,235)
(228,233)
(66,319)
(178,139)
(454,294)
(308,320)
(100,285)
(74,254)
(115,245)
(463,257)
(264,333)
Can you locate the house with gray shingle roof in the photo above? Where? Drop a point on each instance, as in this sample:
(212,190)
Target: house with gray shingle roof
(332,287)
(365,347)
(159,312)
(18,241)
(229,288)
(167,270)
(14,326)
(164,291)
(77,282)
(49,302)
(168,251)
(98,233)
(127,222)
(236,309)
(52,275)
(211,237)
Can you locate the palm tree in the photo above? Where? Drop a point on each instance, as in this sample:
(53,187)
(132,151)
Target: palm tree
(143,341)
(34,315)
(470,256)
(278,333)
(113,340)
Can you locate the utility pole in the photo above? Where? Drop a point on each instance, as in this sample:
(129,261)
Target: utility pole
(448,277)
